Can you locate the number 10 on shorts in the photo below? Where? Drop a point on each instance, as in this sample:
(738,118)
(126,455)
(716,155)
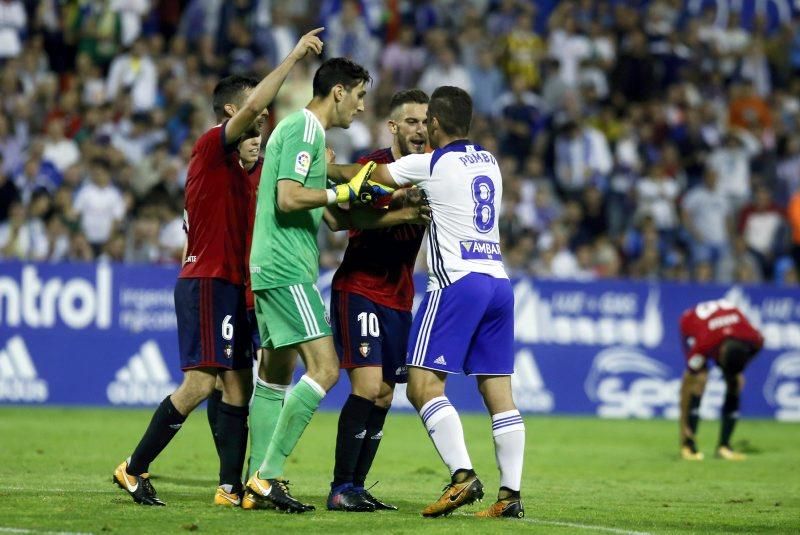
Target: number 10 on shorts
(369,324)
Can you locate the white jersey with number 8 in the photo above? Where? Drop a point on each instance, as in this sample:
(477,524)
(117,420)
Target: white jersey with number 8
(464,187)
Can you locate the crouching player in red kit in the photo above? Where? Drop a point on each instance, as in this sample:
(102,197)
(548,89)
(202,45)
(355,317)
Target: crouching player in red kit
(718,331)
(373,291)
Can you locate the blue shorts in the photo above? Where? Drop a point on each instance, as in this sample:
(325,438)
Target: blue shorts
(368,334)
(465,327)
(255,336)
(213,331)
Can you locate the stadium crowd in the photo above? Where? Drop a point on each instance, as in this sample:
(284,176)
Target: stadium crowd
(637,139)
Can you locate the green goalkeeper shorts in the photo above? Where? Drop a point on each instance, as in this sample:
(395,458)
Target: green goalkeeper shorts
(290,315)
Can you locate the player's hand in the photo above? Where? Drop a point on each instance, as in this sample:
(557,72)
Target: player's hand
(330,155)
(347,193)
(371,192)
(361,189)
(309,42)
(423,214)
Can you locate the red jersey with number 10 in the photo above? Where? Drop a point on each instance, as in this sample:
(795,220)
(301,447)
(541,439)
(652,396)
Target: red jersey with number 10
(706,326)
(216,208)
(379,263)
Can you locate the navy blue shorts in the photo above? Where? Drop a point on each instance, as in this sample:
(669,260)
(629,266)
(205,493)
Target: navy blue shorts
(368,334)
(213,331)
(255,336)
(467,327)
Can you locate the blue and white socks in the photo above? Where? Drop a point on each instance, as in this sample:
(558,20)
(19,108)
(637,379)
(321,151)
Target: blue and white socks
(508,431)
(444,427)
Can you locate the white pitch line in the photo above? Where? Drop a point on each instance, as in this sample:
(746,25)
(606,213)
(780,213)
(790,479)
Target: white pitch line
(82,491)
(6,529)
(574,525)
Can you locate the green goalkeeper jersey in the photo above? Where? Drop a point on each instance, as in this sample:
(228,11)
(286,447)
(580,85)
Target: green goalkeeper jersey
(284,250)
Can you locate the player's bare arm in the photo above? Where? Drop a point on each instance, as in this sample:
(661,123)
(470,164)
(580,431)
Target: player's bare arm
(265,91)
(341,173)
(364,218)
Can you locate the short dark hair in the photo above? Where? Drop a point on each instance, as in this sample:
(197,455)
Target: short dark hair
(230,90)
(408,96)
(452,107)
(336,71)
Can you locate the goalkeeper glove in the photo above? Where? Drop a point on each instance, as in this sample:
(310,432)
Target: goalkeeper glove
(360,188)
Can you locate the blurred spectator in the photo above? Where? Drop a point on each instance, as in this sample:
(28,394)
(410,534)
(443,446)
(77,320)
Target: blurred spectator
(347,35)
(522,49)
(13,20)
(582,158)
(567,44)
(59,150)
(522,118)
(135,73)
(80,250)
(445,70)
(635,74)
(707,218)
(402,59)
(749,110)
(100,205)
(656,195)
(488,83)
(58,238)
(35,175)
(794,225)
(761,224)
(731,163)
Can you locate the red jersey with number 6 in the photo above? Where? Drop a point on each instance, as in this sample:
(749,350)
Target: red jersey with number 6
(379,263)
(216,208)
(706,326)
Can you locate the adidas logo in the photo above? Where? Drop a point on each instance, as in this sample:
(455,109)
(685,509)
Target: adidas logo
(18,378)
(362,434)
(144,380)
(377,436)
(440,361)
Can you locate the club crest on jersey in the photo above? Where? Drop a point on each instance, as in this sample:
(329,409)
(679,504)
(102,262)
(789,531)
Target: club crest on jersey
(302,163)
(228,350)
(364,349)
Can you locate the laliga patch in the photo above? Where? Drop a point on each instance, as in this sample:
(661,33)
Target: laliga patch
(364,349)
(302,163)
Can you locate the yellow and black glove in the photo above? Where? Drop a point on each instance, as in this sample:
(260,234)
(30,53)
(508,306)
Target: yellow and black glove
(360,188)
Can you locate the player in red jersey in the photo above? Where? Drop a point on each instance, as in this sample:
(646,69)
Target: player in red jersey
(373,291)
(714,331)
(209,293)
(251,161)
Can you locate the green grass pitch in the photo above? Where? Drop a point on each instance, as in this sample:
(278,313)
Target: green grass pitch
(581,476)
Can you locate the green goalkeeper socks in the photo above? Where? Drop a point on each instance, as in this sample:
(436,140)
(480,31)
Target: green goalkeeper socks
(264,412)
(300,405)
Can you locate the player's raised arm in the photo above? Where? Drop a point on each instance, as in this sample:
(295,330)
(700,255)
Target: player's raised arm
(265,91)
